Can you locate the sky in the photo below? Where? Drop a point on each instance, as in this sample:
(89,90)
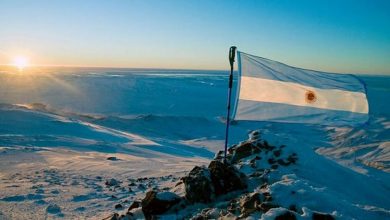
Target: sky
(328,35)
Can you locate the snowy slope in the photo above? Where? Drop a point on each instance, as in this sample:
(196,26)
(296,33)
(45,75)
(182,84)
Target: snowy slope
(59,126)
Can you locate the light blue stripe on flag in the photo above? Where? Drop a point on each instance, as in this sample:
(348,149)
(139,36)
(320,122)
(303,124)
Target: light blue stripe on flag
(271,91)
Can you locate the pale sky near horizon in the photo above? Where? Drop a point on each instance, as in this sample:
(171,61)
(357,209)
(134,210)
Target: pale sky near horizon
(329,35)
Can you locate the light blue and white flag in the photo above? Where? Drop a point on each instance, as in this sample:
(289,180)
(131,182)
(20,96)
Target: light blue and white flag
(272,91)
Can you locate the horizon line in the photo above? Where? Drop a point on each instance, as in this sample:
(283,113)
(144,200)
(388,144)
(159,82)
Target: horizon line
(162,68)
(112,67)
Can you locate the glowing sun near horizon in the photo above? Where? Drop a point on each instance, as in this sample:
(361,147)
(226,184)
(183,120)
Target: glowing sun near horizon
(20,62)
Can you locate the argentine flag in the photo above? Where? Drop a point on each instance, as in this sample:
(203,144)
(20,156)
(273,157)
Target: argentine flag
(271,91)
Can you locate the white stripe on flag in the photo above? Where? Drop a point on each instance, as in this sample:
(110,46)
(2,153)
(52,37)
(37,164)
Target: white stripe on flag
(266,90)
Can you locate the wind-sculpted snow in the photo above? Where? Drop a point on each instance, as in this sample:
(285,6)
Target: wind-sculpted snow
(65,132)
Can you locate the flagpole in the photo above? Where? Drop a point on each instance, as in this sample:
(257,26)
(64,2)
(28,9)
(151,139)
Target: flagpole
(232,54)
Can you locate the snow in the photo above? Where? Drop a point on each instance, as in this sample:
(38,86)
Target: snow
(59,126)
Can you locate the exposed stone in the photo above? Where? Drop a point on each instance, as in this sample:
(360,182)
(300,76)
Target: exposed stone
(112,182)
(134,205)
(256,174)
(158,203)
(233,207)
(292,158)
(198,185)
(293,208)
(283,163)
(277,153)
(118,206)
(220,155)
(254,135)
(286,216)
(249,204)
(322,216)
(266,206)
(226,178)
(112,158)
(207,213)
(244,150)
(271,161)
(115,216)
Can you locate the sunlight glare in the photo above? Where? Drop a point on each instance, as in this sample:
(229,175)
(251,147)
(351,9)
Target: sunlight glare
(20,62)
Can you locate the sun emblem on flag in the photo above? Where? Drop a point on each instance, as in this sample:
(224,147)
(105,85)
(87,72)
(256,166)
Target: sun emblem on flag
(310,96)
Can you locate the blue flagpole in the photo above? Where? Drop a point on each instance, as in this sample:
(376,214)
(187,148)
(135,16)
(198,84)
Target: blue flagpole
(232,54)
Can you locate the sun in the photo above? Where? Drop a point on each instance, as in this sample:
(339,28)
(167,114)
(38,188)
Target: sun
(20,62)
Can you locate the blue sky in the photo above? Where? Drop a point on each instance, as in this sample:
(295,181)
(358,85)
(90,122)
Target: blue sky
(337,36)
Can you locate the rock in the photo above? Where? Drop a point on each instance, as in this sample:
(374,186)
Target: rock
(226,178)
(283,163)
(112,158)
(207,213)
(249,204)
(293,208)
(228,216)
(233,207)
(243,150)
(53,209)
(271,161)
(134,205)
(292,158)
(266,206)
(219,155)
(277,153)
(158,203)
(255,159)
(256,174)
(198,185)
(112,182)
(322,216)
(141,187)
(286,216)
(118,206)
(115,216)
(254,135)
(267,197)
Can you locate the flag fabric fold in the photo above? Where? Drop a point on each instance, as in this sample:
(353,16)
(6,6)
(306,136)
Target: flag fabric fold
(268,90)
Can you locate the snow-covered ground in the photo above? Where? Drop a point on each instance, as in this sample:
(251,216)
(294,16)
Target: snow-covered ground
(66,133)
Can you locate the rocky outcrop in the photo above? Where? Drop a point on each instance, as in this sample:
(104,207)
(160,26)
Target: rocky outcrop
(235,188)
(156,203)
(249,204)
(322,216)
(198,185)
(112,182)
(243,150)
(226,178)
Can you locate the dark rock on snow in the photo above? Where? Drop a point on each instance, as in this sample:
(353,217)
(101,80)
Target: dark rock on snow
(112,182)
(118,206)
(226,178)
(198,185)
(208,185)
(243,150)
(112,158)
(134,205)
(322,216)
(156,203)
(286,216)
(249,204)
